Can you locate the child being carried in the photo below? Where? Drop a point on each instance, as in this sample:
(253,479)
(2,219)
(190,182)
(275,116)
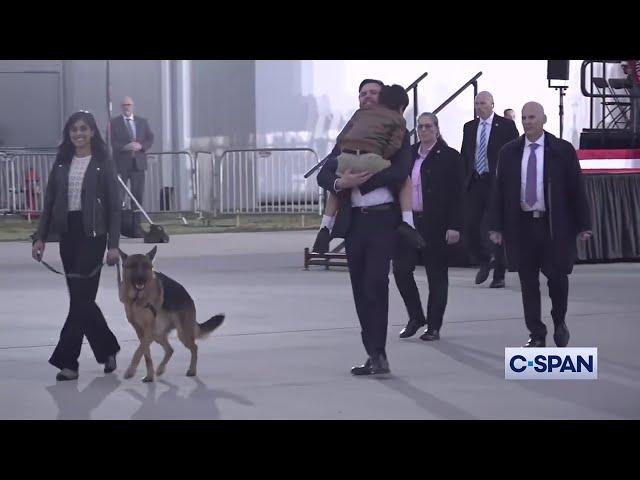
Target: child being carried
(373,134)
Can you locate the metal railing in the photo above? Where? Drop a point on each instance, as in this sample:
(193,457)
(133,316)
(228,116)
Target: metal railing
(265,181)
(472,81)
(606,99)
(241,181)
(414,87)
(6,183)
(23,179)
(162,189)
(24,174)
(206,178)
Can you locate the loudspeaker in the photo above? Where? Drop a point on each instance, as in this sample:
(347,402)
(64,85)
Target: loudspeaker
(558,70)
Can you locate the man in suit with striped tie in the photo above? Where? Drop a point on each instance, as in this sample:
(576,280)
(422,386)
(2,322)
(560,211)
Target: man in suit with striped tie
(131,139)
(538,208)
(482,140)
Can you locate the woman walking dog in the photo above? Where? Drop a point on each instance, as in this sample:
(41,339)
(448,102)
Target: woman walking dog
(82,205)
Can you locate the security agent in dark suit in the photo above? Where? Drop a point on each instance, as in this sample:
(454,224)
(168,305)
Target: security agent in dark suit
(131,139)
(538,207)
(510,114)
(368,219)
(436,178)
(481,142)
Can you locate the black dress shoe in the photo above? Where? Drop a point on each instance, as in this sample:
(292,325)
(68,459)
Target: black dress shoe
(533,343)
(67,374)
(379,365)
(110,364)
(561,335)
(411,236)
(362,369)
(483,273)
(497,283)
(412,327)
(430,335)
(321,245)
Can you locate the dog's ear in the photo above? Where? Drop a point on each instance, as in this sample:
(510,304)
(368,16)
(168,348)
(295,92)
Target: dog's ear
(123,255)
(152,253)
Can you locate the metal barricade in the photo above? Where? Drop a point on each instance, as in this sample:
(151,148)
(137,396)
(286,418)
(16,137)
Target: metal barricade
(204,181)
(24,174)
(267,181)
(242,181)
(162,187)
(6,186)
(23,179)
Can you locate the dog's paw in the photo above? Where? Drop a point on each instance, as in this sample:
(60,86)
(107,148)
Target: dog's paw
(129,373)
(191,373)
(147,379)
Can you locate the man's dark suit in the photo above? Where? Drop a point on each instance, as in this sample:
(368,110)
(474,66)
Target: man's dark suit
(131,165)
(370,238)
(478,187)
(547,243)
(442,178)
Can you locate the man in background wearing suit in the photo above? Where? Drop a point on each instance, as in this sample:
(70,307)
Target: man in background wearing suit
(482,140)
(131,139)
(510,114)
(538,207)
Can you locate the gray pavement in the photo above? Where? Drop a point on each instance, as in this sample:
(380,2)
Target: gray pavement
(291,336)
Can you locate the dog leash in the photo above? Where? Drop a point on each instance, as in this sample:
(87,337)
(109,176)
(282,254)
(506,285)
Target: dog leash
(119,277)
(75,275)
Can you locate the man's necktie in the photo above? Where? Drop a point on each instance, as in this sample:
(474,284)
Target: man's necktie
(530,189)
(130,128)
(481,159)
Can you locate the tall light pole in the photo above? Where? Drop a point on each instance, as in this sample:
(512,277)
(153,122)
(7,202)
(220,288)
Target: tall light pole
(109,105)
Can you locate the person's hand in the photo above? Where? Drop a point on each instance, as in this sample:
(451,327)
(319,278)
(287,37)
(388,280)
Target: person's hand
(452,237)
(136,146)
(350,180)
(584,236)
(496,237)
(37,251)
(113,256)
(128,147)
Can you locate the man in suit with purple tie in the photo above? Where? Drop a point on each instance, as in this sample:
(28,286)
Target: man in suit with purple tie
(538,207)
(131,139)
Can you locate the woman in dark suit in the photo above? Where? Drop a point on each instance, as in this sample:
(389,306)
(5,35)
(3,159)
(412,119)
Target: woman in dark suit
(82,206)
(437,177)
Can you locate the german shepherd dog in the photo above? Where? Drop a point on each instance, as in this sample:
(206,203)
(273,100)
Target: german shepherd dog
(155,304)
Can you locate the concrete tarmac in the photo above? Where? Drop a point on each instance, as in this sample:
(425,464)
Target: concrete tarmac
(291,337)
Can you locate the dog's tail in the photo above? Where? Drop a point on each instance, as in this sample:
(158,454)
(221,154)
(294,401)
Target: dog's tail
(204,329)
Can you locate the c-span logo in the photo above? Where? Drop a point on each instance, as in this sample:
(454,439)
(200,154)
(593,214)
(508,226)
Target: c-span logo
(551,363)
